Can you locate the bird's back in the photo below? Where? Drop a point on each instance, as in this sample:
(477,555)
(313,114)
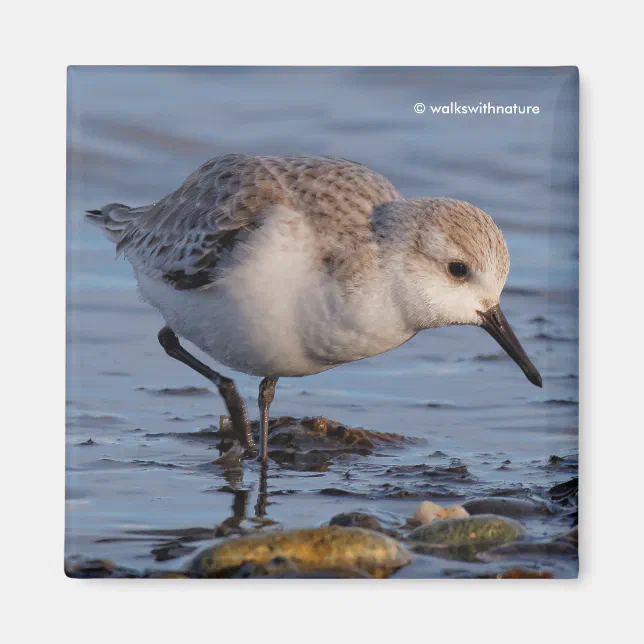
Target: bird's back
(181,238)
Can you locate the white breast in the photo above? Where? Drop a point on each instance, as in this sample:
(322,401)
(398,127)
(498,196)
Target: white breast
(274,312)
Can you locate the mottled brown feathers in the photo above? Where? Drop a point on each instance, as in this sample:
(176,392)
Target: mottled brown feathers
(219,204)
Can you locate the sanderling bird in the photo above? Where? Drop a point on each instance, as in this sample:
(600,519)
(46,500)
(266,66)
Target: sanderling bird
(289,266)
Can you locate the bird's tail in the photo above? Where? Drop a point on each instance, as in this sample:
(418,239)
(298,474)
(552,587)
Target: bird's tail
(113,219)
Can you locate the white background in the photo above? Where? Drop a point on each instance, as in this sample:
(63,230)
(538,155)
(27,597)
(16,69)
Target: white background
(40,40)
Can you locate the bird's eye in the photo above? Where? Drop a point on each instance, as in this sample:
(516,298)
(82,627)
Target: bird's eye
(457,269)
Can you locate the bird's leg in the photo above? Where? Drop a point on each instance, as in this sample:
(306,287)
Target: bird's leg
(234,402)
(266,395)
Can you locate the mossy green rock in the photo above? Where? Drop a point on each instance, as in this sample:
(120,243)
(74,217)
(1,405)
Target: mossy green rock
(465,537)
(329,547)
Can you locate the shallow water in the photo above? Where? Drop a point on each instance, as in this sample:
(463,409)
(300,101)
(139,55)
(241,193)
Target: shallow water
(135,134)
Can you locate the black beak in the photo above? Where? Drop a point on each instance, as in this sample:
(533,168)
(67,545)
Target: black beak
(497,326)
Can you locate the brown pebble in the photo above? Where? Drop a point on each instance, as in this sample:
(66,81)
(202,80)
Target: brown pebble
(521,573)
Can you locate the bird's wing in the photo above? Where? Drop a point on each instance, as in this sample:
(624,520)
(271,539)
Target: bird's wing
(182,237)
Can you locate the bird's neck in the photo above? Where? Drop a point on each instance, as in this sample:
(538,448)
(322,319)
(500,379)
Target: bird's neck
(405,289)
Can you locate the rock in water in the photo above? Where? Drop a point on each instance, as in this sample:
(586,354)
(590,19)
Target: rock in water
(520,573)
(356,520)
(505,507)
(97,568)
(427,512)
(311,549)
(465,537)
(362,520)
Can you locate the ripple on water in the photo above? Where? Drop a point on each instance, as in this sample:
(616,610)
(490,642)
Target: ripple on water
(186,390)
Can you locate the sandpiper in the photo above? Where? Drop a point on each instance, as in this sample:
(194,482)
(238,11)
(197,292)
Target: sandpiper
(289,266)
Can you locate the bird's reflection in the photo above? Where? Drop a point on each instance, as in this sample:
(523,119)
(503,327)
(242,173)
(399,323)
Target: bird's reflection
(260,506)
(235,478)
(240,501)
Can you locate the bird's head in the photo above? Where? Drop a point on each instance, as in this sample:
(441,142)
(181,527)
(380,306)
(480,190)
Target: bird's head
(450,264)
